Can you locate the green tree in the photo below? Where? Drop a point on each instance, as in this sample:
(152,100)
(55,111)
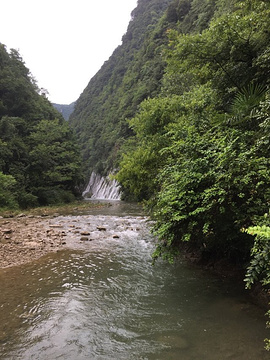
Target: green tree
(141,157)
(231,53)
(259,268)
(212,186)
(7,187)
(54,161)
(37,147)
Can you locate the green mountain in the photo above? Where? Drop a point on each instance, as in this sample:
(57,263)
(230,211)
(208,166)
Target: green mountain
(132,74)
(39,158)
(65,110)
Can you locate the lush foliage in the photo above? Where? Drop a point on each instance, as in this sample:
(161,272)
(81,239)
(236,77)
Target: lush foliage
(200,155)
(39,159)
(141,158)
(7,186)
(214,182)
(133,73)
(259,268)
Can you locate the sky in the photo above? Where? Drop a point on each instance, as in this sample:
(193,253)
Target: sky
(64,42)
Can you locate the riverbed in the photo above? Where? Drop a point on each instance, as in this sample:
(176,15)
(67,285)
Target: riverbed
(99,297)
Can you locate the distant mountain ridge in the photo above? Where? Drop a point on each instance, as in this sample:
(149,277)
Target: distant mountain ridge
(65,110)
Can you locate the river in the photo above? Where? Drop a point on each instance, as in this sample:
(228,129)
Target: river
(102,299)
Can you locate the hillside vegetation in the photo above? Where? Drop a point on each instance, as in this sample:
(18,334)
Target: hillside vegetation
(39,158)
(200,157)
(185,101)
(200,154)
(132,74)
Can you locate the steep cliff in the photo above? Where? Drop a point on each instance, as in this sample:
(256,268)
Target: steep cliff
(132,74)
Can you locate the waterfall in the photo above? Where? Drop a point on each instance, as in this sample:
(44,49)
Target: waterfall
(102,188)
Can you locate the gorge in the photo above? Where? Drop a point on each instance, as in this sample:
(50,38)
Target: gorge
(181,109)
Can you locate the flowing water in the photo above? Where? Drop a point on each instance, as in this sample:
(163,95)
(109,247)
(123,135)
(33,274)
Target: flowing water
(103,299)
(102,188)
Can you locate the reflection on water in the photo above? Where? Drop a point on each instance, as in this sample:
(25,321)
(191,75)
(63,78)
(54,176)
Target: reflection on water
(116,208)
(106,301)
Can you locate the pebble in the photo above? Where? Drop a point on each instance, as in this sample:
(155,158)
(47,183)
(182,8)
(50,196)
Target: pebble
(100,228)
(84,238)
(7,231)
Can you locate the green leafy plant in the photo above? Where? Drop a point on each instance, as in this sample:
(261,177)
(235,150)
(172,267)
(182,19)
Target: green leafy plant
(245,105)
(259,268)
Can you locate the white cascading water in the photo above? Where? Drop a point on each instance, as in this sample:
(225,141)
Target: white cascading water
(102,188)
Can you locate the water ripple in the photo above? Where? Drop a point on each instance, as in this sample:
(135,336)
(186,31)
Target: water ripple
(104,300)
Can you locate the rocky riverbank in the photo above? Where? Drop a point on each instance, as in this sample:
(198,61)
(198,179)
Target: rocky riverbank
(27,237)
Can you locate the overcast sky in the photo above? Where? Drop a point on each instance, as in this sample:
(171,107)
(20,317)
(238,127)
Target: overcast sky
(64,42)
